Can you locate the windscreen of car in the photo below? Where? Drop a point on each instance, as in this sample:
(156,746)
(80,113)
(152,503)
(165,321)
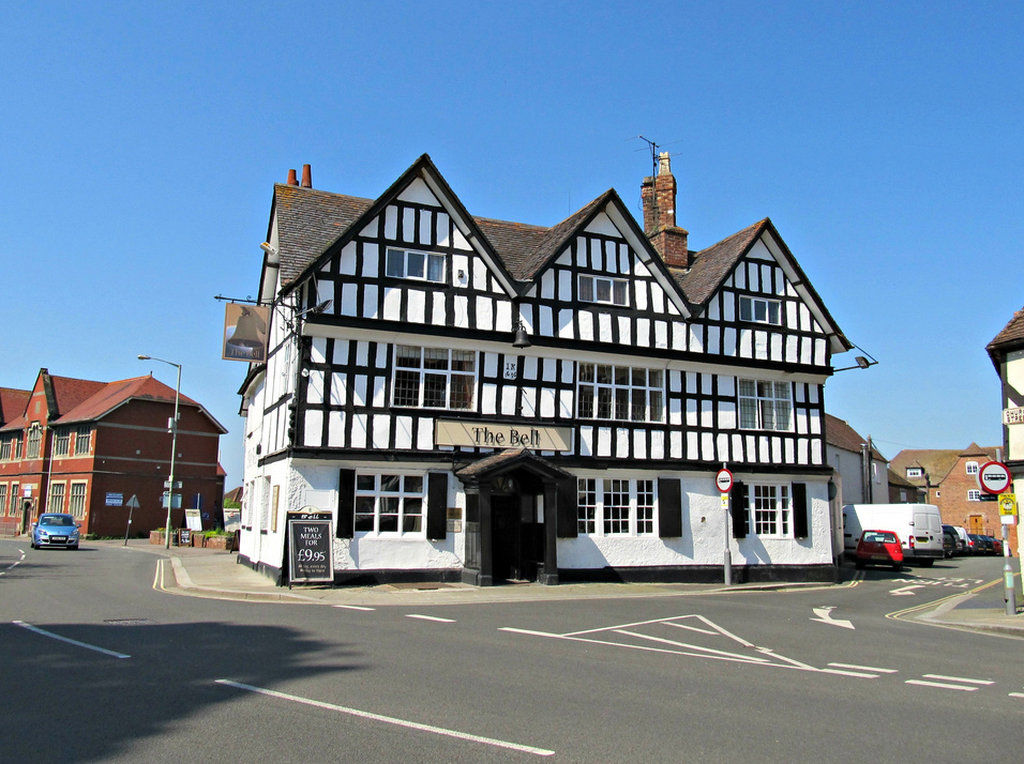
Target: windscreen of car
(56,520)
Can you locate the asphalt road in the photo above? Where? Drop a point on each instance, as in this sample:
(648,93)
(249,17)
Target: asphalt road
(803,675)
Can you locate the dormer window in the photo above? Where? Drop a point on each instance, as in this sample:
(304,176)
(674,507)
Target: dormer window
(408,264)
(604,290)
(972,468)
(760,310)
(915,472)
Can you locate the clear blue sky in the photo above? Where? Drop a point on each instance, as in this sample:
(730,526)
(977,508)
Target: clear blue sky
(140,142)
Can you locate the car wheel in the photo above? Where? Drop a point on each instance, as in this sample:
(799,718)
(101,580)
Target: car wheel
(926,563)
(73,548)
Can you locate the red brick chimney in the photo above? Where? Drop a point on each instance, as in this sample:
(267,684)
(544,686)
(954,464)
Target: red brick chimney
(292,179)
(307,176)
(658,194)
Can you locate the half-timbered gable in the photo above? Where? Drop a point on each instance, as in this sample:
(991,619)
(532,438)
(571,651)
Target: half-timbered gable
(484,399)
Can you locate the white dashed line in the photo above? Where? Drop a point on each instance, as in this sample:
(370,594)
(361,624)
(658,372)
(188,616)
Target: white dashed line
(391,720)
(74,642)
(941,685)
(958,679)
(873,669)
(354,607)
(430,618)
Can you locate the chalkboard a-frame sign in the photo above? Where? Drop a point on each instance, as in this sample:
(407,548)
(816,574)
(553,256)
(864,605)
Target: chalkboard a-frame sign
(309,548)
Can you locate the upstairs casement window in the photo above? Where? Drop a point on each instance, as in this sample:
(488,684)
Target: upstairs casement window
(972,468)
(760,310)
(765,405)
(390,504)
(915,472)
(434,378)
(83,440)
(35,438)
(601,289)
(973,494)
(615,507)
(623,393)
(409,264)
(770,510)
(62,442)
(8,449)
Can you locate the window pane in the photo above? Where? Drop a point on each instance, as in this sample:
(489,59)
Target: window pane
(435,358)
(414,264)
(434,388)
(435,268)
(604,374)
(622,403)
(604,290)
(413,484)
(604,403)
(364,482)
(619,297)
(407,388)
(586,401)
(586,372)
(396,263)
(390,484)
(389,523)
(413,507)
(412,523)
(622,375)
(745,314)
(760,310)
(406,356)
(463,360)
(461,391)
(773,312)
(638,410)
(586,289)
(640,377)
(363,523)
(655,377)
(657,406)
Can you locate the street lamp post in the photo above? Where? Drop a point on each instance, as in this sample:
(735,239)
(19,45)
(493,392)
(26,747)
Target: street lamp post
(174,444)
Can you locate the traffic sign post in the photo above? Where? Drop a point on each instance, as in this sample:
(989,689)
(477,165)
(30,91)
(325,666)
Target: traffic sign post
(132,504)
(995,478)
(723,481)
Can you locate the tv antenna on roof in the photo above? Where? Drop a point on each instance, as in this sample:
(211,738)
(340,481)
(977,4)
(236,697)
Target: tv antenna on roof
(654,153)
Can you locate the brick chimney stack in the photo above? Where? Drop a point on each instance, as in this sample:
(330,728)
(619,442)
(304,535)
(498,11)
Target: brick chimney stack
(307,176)
(658,194)
(292,178)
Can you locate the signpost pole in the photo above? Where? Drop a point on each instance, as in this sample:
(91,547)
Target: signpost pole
(129,526)
(723,480)
(1010,594)
(995,478)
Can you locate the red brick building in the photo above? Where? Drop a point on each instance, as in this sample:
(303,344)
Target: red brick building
(85,447)
(950,478)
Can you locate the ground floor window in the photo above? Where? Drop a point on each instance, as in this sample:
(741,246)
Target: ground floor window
(770,509)
(615,507)
(3,498)
(390,504)
(76,504)
(56,502)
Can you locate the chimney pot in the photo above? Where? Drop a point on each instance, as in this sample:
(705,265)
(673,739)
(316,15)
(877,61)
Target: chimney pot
(307,176)
(292,179)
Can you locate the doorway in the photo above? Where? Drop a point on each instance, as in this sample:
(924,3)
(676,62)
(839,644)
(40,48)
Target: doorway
(517,547)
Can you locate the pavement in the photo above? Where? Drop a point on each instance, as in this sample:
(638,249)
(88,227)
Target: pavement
(217,574)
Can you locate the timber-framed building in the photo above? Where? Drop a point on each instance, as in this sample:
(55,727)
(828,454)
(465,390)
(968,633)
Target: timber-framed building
(480,400)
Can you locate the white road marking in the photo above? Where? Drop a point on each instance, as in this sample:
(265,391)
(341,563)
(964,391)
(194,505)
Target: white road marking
(430,618)
(905,591)
(942,685)
(390,719)
(14,564)
(958,679)
(1017,694)
(824,616)
(865,668)
(75,642)
(354,607)
(691,647)
(855,674)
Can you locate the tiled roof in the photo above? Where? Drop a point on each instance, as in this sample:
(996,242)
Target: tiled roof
(839,434)
(12,403)
(710,266)
(937,462)
(70,392)
(1012,333)
(113,394)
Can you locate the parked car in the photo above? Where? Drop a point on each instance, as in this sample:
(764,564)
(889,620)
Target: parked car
(950,543)
(972,545)
(918,526)
(879,548)
(55,529)
(981,544)
(997,545)
(961,537)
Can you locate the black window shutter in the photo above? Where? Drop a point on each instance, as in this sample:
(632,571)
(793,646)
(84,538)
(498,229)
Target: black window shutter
(346,503)
(800,510)
(437,505)
(739,510)
(670,508)
(565,523)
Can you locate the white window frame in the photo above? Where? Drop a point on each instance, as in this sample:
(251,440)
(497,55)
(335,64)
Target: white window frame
(84,485)
(407,256)
(636,514)
(915,472)
(770,504)
(3,499)
(600,387)
(973,494)
(971,468)
(15,506)
(381,495)
(765,405)
(53,496)
(422,373)
(591,287)
(760,310)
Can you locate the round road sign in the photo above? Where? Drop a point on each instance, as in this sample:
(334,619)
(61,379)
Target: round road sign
(994,477)
(724,480)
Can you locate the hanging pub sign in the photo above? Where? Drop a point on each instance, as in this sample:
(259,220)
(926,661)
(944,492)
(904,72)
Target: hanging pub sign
(309,548)
(245,332)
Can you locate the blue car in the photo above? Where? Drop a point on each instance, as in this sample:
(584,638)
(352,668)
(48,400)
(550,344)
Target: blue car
(54,529)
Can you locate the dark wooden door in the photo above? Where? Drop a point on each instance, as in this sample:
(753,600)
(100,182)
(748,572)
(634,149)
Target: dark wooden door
(506,535)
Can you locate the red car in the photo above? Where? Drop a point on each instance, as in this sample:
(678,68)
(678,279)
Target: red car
(879,548)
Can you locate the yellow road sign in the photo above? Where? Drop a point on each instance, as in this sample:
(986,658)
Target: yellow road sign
(1007,504)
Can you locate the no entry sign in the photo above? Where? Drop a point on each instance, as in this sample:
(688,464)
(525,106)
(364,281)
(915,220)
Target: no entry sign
(994,477)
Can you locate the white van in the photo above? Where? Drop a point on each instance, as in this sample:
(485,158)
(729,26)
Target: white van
(919,527)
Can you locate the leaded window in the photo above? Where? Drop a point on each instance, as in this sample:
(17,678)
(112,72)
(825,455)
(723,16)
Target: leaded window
(765,405)
(436,378)
(76,504)
(56,502)
(615,507)
(35,437)
(83,439)
(622,393)
(62,442)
